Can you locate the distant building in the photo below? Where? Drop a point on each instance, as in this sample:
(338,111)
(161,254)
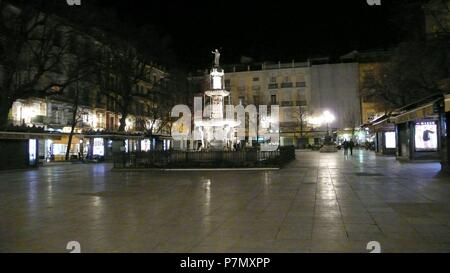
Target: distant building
(285,84)
(369,65)
(334,87)
(303,90)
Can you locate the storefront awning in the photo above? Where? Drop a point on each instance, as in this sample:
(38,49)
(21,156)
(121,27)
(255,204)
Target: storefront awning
(28,135)
(425,111)
(386,124)
(112,136)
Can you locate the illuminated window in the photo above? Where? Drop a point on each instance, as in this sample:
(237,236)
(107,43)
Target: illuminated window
(32,143)
(99,148)
(145,145)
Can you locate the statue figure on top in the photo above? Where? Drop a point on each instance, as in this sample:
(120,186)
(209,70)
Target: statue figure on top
(216,57)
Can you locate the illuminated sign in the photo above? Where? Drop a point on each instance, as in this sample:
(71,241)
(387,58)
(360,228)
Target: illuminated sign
(99,148)
(389,140)
(426,136)
(145,145)
(32,143)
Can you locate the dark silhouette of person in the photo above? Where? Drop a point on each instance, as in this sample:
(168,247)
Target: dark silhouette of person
(345,144)
(427,139)
(351,144)
(426,135)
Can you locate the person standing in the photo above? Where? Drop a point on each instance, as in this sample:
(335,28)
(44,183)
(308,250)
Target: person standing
(351,144)
(345,145)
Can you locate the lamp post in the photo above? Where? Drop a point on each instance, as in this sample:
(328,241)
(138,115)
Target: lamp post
(328,118)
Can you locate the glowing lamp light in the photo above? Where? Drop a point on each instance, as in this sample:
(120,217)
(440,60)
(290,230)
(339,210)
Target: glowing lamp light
(315,120)
(29,112)
(328,117)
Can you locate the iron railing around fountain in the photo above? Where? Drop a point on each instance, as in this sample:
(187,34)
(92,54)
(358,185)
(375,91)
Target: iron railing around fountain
(215,159)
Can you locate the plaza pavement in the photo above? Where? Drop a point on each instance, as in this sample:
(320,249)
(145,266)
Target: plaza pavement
(318,203)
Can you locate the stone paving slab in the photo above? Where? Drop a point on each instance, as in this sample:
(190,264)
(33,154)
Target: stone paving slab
(318,203)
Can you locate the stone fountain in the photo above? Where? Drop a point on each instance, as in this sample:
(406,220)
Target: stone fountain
(217,132)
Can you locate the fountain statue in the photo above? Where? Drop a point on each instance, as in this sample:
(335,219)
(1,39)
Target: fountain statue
(216,131)
(216,57)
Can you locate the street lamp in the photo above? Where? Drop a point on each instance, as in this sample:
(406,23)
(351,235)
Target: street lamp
(328,118)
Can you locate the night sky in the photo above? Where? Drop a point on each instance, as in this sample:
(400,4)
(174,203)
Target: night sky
(266,30)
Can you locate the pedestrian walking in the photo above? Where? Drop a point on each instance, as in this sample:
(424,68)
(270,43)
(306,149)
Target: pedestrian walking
(345,145)
(351,144)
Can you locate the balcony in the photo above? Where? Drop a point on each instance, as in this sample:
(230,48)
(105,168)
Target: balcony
(241,88)
(273,85)
(286,85)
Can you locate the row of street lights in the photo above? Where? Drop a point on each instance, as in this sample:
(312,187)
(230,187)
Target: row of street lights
(326,118)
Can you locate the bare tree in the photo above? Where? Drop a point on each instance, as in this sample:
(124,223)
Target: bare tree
(122,72)
(414,71)
(76,118)
(350,119)
(33,46)
(158,103)
(300,114)
(156,116)
(83,51)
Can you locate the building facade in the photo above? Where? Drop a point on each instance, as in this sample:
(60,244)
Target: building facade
(303,92)
(287,85)
(96,128)
(334,87)
(81,108)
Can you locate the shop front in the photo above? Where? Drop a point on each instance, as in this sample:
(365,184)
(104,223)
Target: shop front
(55,149)
(98,147)
(385,136)
(299,140)
(30,149)
(419,132)
(20,150)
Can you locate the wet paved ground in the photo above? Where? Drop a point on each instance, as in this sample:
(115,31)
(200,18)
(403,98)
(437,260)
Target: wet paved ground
(319,203)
